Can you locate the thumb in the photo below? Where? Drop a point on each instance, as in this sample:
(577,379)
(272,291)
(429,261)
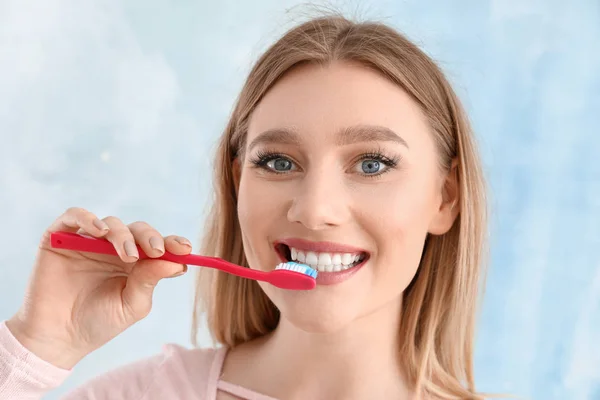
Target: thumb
(142,279)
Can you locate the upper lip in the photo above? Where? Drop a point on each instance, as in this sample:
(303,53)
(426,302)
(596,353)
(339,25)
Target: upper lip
(319,247)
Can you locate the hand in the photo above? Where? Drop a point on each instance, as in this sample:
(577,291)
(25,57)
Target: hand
(76,302)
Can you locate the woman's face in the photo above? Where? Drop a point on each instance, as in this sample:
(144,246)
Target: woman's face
(340,172)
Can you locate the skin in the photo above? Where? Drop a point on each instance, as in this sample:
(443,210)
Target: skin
(322,193)
(76,302)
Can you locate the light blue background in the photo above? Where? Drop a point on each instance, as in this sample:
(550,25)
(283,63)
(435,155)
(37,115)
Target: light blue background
(116,106)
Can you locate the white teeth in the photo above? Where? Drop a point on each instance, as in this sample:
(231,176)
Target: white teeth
(311,258)
(324,259)
(301,257)
(347,258)
(325,262)
(336,259)
(329,268)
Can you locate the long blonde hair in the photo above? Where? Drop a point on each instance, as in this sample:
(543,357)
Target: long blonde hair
(439,306)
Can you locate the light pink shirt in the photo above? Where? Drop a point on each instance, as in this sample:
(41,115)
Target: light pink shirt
(176,373)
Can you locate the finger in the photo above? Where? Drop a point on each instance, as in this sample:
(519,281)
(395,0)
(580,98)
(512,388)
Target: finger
(148,238)
(79,219)
(122,239)
(178,245)
(141,281)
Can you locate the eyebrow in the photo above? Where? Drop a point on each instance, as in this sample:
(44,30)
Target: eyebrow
(346,136)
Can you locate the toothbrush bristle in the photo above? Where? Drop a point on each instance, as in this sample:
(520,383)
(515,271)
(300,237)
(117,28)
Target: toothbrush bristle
(298,267)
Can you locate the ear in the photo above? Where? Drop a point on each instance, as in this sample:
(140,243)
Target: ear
(450,205)
(236,170)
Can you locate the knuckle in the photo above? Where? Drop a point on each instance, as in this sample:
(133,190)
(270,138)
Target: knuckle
(88,217)
(75,211)
(123,233)
(118,230)
(113,221)
(139,225)
(143,228)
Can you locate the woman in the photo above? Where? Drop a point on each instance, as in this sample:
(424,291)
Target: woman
(347,150)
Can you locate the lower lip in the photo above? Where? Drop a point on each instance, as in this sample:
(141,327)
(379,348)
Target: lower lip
(333,278)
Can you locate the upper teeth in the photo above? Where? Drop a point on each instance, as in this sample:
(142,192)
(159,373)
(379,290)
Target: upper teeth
(327,262)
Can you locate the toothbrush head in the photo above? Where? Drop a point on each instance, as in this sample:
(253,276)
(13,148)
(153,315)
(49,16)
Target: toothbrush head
(293,276)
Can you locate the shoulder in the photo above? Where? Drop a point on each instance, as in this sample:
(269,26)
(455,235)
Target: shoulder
(176,372)
(195,365)
(198,359)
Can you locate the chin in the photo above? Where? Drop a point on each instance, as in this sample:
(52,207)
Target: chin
(317,323)
(325,309)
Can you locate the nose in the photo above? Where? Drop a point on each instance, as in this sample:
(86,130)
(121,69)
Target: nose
(320,201)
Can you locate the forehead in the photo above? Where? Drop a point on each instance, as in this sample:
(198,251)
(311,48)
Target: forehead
(320,101)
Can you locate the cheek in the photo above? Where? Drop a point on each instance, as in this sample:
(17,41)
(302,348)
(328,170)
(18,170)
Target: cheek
(257,201)
(398,221)
(399,208)
(259,212)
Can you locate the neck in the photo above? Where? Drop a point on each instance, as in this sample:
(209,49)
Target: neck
(347,364)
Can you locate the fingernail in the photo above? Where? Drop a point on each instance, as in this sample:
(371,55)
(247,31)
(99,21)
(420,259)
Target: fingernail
(177,274)
(130,249)
(157,244)
(183,241)
(100,225)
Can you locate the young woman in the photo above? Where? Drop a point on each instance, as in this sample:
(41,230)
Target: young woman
(347,150)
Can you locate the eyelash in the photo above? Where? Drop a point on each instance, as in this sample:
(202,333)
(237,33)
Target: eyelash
(262,157)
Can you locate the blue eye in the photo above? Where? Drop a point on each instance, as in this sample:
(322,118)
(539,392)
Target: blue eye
(374,164)
(280,164)
(371,166)
(274,162)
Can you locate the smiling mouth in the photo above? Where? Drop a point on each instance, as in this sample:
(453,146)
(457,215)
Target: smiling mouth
(322,261)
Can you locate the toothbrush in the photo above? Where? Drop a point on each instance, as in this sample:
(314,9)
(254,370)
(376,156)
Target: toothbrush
(288,275)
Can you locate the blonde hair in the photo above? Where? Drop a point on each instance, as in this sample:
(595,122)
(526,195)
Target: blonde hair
(439,306)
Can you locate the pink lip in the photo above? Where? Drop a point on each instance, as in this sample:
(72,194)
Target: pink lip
(333,278)
(325,278)
(323,247)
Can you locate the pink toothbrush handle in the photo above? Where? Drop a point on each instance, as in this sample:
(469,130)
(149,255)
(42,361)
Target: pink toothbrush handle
(77,242)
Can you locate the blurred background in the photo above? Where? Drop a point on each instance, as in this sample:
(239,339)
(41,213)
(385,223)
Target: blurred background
(116,106)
